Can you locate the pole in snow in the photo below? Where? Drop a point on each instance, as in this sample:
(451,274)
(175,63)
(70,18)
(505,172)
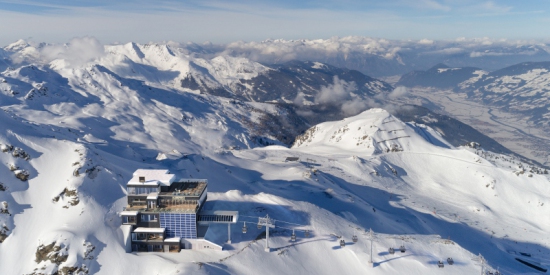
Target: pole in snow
(267,222)
(481,261)
(370,235)
(228,233)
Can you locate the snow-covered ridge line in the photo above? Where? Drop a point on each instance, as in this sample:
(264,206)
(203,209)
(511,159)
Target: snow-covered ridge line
(87,126)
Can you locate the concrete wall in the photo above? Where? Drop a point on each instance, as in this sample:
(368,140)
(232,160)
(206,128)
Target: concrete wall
(199,244)
(126,232)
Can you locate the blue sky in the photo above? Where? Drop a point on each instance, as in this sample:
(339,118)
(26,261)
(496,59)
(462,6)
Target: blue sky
(248,20)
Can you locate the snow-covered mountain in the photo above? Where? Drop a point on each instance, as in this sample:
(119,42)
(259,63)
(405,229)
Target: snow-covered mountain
(73,129)
(441,76)
(522,88)
(380,57)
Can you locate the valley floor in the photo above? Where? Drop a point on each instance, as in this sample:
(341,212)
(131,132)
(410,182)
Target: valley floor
(511,130)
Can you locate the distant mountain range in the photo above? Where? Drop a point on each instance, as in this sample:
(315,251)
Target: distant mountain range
(522,88)
(282,82)
(76,120)
(379,57)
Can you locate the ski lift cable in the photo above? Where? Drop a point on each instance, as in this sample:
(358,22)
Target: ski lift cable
(275,220)
(303,230)
(278,226)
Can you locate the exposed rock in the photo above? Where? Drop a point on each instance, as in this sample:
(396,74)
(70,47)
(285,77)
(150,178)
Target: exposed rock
(4,208)
(20,153)
(68,193)
(89,249)
(52,252)
(23,175)
(92,172)
(6,148)
(13,167)
(73,270)
(3,233)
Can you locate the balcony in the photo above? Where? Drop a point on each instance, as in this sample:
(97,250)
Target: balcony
(167,205)
(139,236)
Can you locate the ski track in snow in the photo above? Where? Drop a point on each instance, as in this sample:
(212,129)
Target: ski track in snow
(96,124)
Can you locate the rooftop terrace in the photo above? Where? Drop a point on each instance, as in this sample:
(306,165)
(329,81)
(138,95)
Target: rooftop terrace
(186,188)
(175,206)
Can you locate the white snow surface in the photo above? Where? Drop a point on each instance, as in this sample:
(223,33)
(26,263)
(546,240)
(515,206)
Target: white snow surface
(89,128)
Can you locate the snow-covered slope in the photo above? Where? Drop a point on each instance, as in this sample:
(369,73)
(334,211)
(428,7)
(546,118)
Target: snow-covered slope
(373,132)
(79,131)
(523,88)
(441,76)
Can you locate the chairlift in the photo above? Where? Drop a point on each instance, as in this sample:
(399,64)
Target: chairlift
(259,226)
(293,237)
(306,234)
(450,261)
(354,238)
(244,228)
(402,249)
(342,243)
(440,264)
(391,250)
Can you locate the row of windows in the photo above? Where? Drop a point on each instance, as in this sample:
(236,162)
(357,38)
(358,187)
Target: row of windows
(148,218)
(215,218)
(141,190)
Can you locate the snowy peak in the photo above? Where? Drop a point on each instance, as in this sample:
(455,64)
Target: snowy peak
(17,46)
(229,69)
(374,131)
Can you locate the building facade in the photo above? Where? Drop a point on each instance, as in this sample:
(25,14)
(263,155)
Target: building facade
(162,210)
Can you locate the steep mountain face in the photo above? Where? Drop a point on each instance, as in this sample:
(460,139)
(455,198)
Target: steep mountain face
(283,83)
(72,131)
(440,76)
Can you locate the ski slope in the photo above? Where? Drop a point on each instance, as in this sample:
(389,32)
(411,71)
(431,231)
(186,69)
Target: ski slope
(83,131)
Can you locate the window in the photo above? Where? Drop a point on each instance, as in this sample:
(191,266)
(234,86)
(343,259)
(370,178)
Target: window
(141,190)
(149,218)
(129,219)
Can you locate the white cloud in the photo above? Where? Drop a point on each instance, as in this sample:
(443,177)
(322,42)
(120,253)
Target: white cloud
(75,53)
(398,92)
(337,92)
(425,42)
